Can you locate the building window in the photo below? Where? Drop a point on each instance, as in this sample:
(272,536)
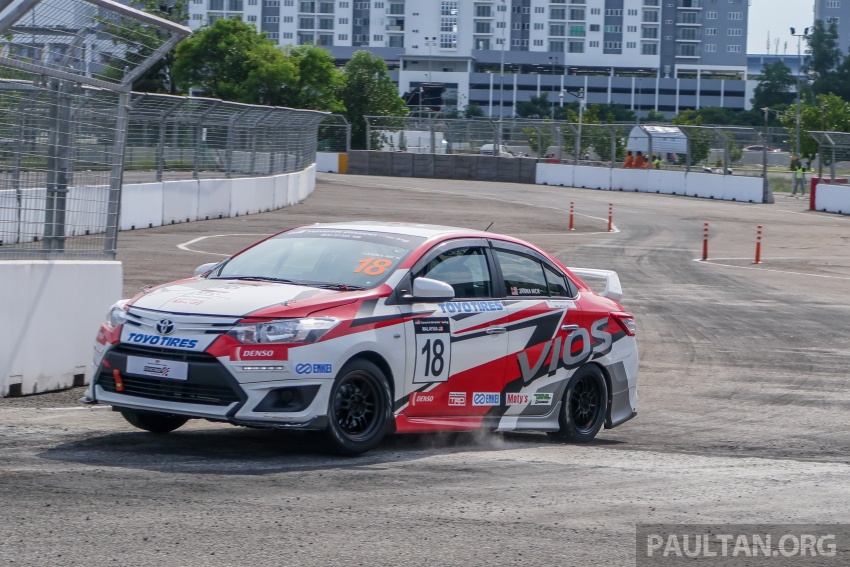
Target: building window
(594,44)
(377,37)
(271,19)
(216,5)
(343,21)
(832,20)
(342,37)
(483,27)
(271,3)
(577,30)
(633,12)
(251,18)
(613,12)
(577,13)
(735,32)
(613,45)
(650,2)
(733,49)
(306,6)
(833,3)
(632,29)
(649,32)
(539,26)
(650,16)
(538,43)
(306,23)
(539,10)
(448,40)
(595,27)
(711,15)
(710,48)
(736,15)
(558,14)
(288,19)
(287,35)
(557,46)
(326,7)
(649,49)
(557,30)
(710,31)
(613,29)
(448,8)
(483,11)
(574,46)
(326,23)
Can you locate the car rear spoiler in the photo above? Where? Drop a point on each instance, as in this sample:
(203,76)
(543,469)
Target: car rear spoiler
(613,289)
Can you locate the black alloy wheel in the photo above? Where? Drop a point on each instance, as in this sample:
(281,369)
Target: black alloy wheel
(358,410)
(584,405)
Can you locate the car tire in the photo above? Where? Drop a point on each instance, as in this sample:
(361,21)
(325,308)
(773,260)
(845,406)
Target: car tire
(359,409)
(583,406)
(154,422)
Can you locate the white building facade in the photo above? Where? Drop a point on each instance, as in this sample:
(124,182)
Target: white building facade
(662,55)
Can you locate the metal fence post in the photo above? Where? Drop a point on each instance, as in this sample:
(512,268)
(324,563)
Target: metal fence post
(116,176)
(368,133)
(163,127)
(58,165)
(199,133)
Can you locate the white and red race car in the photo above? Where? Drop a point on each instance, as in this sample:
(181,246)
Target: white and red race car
(362,329)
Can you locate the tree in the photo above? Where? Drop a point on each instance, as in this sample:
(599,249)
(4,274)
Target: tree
(699,139)
(368,91)
(538,107)
(316,85)
(539,139)
(774,87)
(830,113)
(141,41)
(231,61)
(654,117)
(825,55)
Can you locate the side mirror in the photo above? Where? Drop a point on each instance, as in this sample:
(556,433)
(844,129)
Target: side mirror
(204,268)
(426,288)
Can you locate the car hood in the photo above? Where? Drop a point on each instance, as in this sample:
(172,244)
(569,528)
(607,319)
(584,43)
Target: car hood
(234,297)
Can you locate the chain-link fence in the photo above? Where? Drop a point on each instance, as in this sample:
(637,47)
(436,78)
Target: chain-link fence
(66,67)
(173,137)
(736,150)
(833,148)
(334,134)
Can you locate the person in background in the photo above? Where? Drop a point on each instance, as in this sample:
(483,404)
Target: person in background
(799,180)
(630,161)
(656,162)
(640,161)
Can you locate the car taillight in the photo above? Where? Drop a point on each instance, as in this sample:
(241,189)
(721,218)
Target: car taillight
(626,322)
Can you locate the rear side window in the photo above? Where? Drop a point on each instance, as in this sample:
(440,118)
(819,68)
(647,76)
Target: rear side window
(557,284)
(523,276)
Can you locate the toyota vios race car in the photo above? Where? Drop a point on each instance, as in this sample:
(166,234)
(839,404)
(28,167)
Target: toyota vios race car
(363,329)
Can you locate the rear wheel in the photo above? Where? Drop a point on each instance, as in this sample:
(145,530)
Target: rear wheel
(154,422)
(584,405)
(359,410)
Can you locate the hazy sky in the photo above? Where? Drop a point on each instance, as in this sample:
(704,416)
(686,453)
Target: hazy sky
(777,16)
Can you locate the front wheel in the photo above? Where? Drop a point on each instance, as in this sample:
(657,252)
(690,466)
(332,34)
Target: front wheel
(154,422)
(359,409)
(584,405)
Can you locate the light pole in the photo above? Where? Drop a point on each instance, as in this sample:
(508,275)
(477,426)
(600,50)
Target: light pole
(430,42)
(498,148)
(580,96)
(799,88)
(554,61)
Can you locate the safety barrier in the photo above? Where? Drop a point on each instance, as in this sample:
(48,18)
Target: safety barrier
(147,205)
(832,198)
(331,162)
(38,352)
(705,185)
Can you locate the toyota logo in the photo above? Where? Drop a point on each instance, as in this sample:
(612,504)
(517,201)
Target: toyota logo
(165,327)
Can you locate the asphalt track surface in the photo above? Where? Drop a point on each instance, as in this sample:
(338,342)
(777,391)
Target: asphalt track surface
(744,408)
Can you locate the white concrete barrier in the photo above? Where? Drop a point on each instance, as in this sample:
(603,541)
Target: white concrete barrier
(214,198)
(705,185)
(51,313)
(141,206)
(327,162)
(180,201)
(833,198)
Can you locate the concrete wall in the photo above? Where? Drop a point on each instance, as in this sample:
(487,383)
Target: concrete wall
(833,198)
(705,185)
(146,205)
(442,166)
(51,314)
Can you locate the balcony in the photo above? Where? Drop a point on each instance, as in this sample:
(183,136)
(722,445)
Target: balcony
(689,4)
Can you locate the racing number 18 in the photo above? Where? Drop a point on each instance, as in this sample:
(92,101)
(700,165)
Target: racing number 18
(434,358)
(373,266)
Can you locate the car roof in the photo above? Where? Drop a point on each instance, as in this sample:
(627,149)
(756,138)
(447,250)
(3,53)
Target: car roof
(407,229)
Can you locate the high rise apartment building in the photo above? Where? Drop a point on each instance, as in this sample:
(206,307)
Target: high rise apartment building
(664,55)
(833,11)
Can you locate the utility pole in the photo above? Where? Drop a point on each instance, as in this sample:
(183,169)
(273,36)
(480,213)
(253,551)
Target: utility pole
(799,85)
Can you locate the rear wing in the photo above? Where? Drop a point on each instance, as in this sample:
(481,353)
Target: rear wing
(613,289)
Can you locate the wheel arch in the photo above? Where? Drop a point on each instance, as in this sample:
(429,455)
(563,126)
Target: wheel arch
(381,363)
(609,393)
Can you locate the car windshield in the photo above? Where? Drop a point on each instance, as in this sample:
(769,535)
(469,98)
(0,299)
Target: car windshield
(333,258)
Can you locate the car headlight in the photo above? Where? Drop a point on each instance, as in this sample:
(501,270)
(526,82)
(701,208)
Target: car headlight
(117,315)
(308,330)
